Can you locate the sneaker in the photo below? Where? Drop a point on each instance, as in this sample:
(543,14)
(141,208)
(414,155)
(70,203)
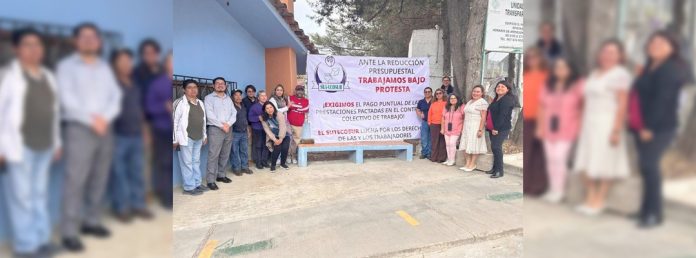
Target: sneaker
(193,192)
(49,250)
(284,166)
(553,197)
(445,163)
(247,171)
(202,188)
(450,163)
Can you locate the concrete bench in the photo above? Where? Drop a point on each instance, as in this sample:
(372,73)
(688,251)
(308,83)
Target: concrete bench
(404,149)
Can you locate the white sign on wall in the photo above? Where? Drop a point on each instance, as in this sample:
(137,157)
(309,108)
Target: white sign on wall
(365,98)
(505,26)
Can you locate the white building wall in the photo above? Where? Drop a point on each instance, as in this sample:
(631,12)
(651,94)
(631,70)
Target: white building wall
(429,43)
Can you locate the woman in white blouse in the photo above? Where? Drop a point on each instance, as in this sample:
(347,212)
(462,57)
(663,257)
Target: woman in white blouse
(601,155)
(473,141)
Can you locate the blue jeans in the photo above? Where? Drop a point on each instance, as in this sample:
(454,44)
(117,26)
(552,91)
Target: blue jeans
(239,156)
(127,183)
(190,163)
(26,190)
(425,139)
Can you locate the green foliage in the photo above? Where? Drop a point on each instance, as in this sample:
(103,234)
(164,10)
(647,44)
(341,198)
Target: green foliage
(372,27)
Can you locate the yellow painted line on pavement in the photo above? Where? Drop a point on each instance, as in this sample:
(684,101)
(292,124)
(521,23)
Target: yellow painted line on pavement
(408,218)
(208,249)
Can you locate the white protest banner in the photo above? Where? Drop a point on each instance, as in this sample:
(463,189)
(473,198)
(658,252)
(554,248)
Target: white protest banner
(365,98)
(504,26)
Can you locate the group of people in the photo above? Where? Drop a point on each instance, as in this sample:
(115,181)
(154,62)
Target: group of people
(224,123)
(598,114)
(91,117)
(450,123)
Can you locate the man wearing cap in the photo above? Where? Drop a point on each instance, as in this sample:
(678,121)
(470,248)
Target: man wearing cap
(299,105)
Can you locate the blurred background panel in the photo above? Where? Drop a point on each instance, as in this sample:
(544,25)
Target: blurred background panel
(123,23)
(554,229)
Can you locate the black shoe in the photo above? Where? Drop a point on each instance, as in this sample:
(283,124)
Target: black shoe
(422,157)
(259,166)
(237,172)
(497,174)
(143,214)
(202,188)
(73,244)
(124,217)
(225,180)
(213,186)
(649,221)
(265,164)
(273,169)
(284,166)
(98,231)
(247,171)
(490,172)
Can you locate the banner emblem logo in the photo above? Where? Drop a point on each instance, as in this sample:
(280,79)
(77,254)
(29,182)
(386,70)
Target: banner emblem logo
(330,76)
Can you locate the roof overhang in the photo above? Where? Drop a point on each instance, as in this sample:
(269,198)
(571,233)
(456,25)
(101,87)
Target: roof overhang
(267,26)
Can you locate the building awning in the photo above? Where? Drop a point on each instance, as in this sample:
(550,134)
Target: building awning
(270,26)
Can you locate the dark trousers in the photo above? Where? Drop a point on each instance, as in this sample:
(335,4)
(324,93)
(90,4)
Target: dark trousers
(649,156)
(280,150)
(438,148)
(260,152)
(162,165)
(535,177)
(497,148)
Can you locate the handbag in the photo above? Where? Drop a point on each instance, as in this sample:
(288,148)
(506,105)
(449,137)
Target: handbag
(489,121)
(635,114)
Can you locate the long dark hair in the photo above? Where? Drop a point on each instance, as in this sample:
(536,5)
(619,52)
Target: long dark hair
(508,86)
(671,39)
(676,56)
(265,116)
(553,79)
(449,105)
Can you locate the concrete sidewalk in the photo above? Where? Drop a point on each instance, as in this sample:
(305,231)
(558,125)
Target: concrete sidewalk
(558,231)
(383,208)
(138,239)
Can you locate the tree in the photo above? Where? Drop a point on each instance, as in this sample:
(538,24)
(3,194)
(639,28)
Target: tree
(369,27)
